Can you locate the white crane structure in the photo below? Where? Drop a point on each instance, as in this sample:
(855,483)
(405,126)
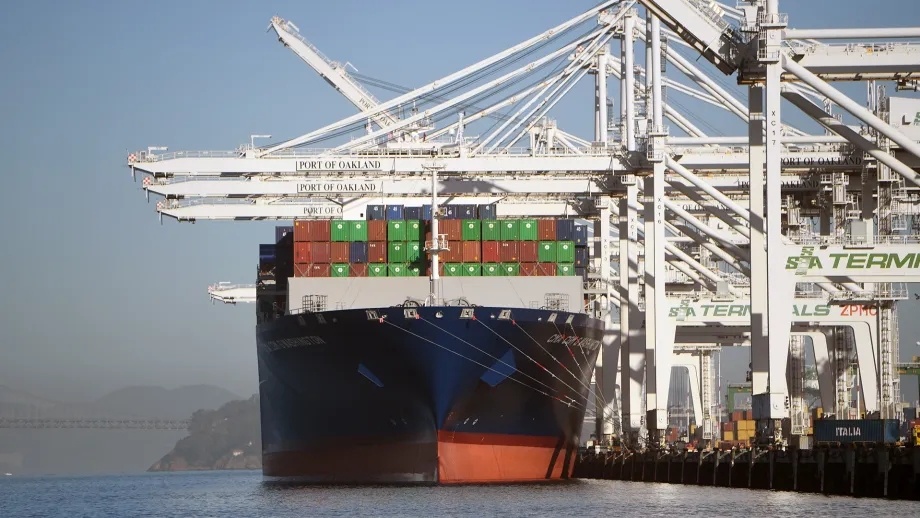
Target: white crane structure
(700,241)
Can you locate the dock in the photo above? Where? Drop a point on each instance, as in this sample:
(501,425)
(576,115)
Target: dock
(891,472)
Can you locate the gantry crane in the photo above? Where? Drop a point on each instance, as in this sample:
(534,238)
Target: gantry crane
(700,218)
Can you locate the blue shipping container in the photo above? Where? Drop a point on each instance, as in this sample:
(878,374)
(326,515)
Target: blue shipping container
(581,257)
(395,212)
(453,212)
(280,232)
(581,272)
(849,431)
(467,211)
(266,252)
(426,212)
(413,213)
(357,251)
(581,235)
(565,230)
(487,211)
(376,212)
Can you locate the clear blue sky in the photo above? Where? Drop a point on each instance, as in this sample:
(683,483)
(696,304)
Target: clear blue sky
(97,294)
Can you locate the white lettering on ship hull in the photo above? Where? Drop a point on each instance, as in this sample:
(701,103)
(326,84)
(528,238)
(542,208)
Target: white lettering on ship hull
(292,343)
(589,344)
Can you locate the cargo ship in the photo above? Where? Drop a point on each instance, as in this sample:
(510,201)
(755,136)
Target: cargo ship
(434,345)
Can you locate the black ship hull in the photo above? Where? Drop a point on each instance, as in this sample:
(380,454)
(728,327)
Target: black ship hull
(427,395)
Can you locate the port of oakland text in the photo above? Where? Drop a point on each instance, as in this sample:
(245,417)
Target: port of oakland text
(339,165)
(793,161)
(853,260)
(589,344)
(322,210)
(337,187)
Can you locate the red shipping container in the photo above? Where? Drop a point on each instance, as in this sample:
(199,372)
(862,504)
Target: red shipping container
(452,227)
(546,269)
(527,251)
(320,253)
(340,253)
(508,251)
(546,229)
(301,270)
(455,254)
(471,252)
(320,270)
(528,269)
(377,230)
(320,230)
(490,252)
(302,253)
(357,270)
(377,251)
(301,231)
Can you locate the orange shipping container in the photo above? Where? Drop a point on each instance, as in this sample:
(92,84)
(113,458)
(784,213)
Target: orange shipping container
(528,251)
(546,269)
(508,251)
(490,252)
(452,227)
(546,229)
(357,270)
(528,269)
(340,252)
(302,270)
(301,231)
(455,254)
(301,253)
(376,250)
(320,230)
(471,252)
(320,270)
(320,253)
(377,230)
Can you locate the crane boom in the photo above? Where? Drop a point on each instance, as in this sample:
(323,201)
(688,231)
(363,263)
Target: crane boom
(332,72)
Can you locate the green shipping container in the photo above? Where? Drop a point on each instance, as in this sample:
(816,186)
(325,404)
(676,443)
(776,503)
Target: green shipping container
(357,230)
(546,252)
(413,251)
(397,252)
(529,230)
(472,270)
(472,230)
(414,231)
(565,269)
(492,270)
(397,270)
(340,231)
(453,270)
(396,230)
(565,252)
(511,229)
(376,270)
(414,270)
(491,230)
(340,270)
(511,269)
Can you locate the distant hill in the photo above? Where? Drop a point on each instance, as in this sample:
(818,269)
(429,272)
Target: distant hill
(226,438)
(15,398)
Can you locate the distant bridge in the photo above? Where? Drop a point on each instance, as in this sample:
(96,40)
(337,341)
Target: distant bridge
(96,423)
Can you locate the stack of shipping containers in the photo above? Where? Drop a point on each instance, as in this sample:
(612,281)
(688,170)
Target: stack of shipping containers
(391,243)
